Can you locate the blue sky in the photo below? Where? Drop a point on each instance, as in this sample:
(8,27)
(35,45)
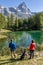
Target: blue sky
(33,5)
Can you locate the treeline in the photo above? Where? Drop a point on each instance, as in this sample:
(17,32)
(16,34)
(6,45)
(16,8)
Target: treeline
(20,24)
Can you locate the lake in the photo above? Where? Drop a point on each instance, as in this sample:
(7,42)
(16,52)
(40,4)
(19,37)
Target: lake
(22,38)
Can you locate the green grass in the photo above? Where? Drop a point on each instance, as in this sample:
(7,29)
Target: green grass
(2,31)
(6,60)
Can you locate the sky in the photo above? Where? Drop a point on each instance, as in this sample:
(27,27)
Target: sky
(33,5)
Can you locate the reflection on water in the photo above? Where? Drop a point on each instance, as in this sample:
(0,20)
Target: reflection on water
(25,39)
(22,38)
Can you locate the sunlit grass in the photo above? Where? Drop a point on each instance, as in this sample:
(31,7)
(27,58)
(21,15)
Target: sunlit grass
(4,30)
(6,60)
(3,36)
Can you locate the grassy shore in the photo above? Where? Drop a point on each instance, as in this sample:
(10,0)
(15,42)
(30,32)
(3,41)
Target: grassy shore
(6,60)
(3,36)
(3,31)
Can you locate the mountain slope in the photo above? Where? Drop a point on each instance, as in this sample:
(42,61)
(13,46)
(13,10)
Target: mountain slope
(20,11)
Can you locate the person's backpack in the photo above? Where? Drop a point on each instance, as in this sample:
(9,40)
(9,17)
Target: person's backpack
(13,46)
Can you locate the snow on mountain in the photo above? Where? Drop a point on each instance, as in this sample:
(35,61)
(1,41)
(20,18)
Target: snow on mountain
(20,11)
(24,8)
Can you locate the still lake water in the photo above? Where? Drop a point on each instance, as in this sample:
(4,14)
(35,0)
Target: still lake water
(22,38)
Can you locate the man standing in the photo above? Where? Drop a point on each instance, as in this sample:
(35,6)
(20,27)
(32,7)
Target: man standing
(12,46)
(32,49)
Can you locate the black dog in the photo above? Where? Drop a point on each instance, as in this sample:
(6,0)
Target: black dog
(23,55)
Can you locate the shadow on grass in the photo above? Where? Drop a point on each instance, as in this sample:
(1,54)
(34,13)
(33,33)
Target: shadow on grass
(4,60)
(8,61)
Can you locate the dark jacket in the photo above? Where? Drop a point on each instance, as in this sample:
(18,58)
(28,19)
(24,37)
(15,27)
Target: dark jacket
(12,45)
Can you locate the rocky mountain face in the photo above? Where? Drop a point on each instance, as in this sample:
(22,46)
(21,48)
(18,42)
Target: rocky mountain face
(20,11)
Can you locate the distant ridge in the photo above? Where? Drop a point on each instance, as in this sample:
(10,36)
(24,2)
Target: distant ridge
(20,11)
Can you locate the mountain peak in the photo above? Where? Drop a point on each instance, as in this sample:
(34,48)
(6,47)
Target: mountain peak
(23,2)
(20,11)
(24,8)
(22,5)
